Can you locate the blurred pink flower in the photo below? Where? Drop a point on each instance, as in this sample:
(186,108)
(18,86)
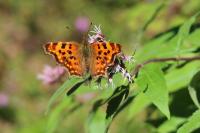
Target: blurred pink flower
(51,75)
(83,98)
(3,100)
(82,24)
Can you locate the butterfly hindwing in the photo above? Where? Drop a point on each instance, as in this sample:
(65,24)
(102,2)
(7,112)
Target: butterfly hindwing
(67,54)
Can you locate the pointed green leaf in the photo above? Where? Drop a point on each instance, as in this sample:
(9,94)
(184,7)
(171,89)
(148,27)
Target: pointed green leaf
(192,123)
(180,78)
(194,87)
(194,39)
(170,125)
(96,123)
(176,80)
(152,78)
(139,103)
(193,96)
(185,30)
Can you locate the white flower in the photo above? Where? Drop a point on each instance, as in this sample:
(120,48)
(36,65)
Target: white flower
(125,74)
(97,35)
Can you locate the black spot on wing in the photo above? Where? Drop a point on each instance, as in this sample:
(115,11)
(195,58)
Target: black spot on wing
(99,52)
(72,58)
(104,45)
(63,45)
(70,46)
(69,52)
(64,58)
(98,58)
(105,58)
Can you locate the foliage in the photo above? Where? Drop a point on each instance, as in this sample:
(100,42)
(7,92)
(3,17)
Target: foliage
(164,93)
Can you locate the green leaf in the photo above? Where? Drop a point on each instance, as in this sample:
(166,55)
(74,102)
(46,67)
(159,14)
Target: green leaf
(170,125)
(56,115)
(61,90)
(185,30)
(139,103)
(156,48)
(193,95)
(194,39)
(180,78)
(165,46)
(117,97)
(192,123)
(150,19)
(97,123)
(194,87)
(175,80)
(152,78)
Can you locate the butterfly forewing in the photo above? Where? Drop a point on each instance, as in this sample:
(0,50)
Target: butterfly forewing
(102,56)
(68,54)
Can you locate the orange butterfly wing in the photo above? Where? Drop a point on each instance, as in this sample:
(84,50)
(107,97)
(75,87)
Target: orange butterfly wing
(68,54)
(102,56)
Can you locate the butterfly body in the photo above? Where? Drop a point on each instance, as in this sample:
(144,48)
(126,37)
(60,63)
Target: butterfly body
(94,58)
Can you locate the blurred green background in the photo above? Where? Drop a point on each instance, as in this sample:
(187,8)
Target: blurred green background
(26,25)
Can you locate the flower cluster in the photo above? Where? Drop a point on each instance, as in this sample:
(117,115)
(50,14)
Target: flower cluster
(51,74)
(97,35)
(123,71)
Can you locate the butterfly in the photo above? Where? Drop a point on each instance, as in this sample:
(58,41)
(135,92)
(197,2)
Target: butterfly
(80,59)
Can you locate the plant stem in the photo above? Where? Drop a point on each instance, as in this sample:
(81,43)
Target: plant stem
(139,66)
